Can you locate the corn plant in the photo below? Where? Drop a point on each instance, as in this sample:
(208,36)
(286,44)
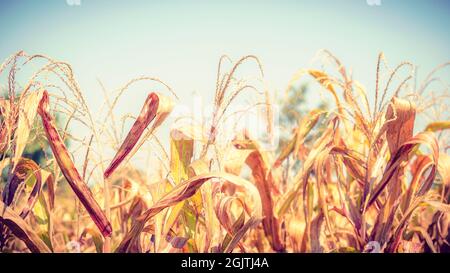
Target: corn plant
(371,179)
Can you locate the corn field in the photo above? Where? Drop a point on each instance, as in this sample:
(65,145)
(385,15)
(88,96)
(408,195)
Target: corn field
(371,178)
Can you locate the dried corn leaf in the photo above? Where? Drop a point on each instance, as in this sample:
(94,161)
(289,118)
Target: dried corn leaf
(425,138)
(327,83)
(147,114)
(401,115)
(48,179)
(28,173)
(181,192)
(438,205)
(258,162)
(438,126)
(165,107)
(22,230)
(305,127)
(300,180)
(42,216)
(69,171)
(96,237)
(5,127)
(444,169)
(385,220)
(181,152)
(27,113)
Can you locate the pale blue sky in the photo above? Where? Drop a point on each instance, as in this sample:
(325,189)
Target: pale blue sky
(180,42)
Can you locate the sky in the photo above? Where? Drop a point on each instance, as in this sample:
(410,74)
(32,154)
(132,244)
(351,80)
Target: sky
(181,42)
